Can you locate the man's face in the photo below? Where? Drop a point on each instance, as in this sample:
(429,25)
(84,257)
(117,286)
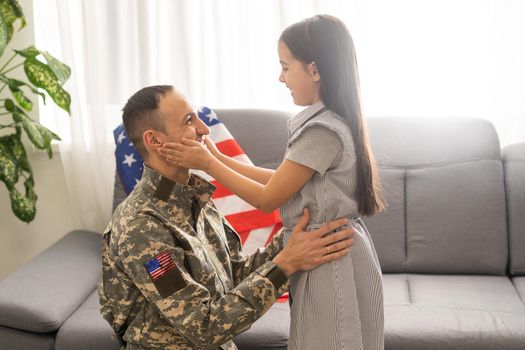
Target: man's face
(180,119)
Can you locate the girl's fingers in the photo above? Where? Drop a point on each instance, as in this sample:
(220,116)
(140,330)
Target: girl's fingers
(173,146)
(190,142)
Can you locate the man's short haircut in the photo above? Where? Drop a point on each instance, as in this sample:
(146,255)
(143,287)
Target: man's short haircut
(141,113)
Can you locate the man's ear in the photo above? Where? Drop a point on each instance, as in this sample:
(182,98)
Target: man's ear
(151,140)
(314,72)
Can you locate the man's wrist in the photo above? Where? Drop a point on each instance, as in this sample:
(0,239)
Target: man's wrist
(281,262)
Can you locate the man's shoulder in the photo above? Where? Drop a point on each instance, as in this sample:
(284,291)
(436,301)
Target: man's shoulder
(135,215)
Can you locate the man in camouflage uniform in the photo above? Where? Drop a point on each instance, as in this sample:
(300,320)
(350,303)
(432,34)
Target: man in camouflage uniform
(174,276)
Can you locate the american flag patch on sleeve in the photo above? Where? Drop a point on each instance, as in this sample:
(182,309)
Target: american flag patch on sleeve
(160,265)
(164,274)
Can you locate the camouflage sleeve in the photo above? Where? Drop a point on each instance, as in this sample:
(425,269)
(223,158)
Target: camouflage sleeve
(244,265)
(156,265)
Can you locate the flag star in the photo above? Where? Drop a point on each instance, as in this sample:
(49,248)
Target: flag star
(129,159)
(212,116)
(121,137)
(137,181)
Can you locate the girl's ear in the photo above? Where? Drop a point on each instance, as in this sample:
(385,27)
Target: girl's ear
(150,140)
(314,72)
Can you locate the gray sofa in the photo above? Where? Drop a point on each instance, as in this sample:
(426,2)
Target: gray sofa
(451,245)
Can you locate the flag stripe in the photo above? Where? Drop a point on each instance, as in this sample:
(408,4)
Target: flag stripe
(249,220)
(229,148)
(232,205)
(243,158)
(220,190)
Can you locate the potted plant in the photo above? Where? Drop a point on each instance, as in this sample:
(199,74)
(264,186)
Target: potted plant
(43,74)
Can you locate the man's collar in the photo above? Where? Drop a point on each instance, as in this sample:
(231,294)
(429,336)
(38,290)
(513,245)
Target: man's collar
(296,122)
(170,191)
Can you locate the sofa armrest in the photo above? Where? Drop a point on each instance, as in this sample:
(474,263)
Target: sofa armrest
(42,294)
(514,165)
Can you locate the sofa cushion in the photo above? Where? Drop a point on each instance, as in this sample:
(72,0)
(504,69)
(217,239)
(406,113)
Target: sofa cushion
(514,161)
(455,219)
(451,312)
(85,329)
(44,292)
(444,187)
(388,229)
(269,332)
(15,339)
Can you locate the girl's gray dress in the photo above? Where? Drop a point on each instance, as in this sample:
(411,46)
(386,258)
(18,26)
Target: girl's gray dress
(338,305)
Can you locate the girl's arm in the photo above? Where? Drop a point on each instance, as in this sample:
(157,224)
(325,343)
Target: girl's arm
(287,180)
(261,175)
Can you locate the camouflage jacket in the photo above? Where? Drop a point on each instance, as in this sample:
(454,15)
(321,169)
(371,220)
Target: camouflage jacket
(173,273)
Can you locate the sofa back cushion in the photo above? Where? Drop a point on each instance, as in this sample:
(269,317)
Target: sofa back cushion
(443,181)
(444,187)
(262,134)
(514,161)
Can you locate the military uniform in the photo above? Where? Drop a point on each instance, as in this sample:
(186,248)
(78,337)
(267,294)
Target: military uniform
(173,274)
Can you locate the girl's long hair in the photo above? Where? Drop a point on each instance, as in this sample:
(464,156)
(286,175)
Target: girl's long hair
(325,41)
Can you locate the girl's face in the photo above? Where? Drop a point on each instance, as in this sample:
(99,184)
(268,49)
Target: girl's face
(302,79)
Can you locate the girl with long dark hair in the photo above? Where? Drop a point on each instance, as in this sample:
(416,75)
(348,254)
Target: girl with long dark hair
(328,168)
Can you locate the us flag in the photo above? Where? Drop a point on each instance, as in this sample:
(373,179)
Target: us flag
(255,227)
(160,265)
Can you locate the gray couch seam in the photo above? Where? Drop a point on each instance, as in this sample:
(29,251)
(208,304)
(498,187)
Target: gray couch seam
(456,308)
(436,165)
(405,223)
(408,290)
(508,223)
(521,297)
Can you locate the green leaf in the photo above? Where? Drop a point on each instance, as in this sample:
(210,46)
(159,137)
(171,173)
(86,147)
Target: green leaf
(61,70)
(43,77)
(39,135)
(9,170)
(31,129)
(29,52)
(11,10)
(9,105)
(22,100)
(15,83)
(19,152)
(15,5)
(48,136)
(4,34)
(7,12)
(13,162)
(24,207)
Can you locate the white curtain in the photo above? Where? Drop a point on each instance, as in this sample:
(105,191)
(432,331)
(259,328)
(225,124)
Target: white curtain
(416,58)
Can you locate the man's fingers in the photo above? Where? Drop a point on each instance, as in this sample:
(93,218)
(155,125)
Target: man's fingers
(335,247)
(334,256)
(338,236)
(331,226)
(303,221)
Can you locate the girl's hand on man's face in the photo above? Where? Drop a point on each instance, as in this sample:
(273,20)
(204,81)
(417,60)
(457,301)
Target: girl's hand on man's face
(189,154)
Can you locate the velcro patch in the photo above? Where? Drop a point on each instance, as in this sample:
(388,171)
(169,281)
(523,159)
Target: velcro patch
(165,274)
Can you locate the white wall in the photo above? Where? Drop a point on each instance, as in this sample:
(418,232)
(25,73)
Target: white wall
(19,242)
